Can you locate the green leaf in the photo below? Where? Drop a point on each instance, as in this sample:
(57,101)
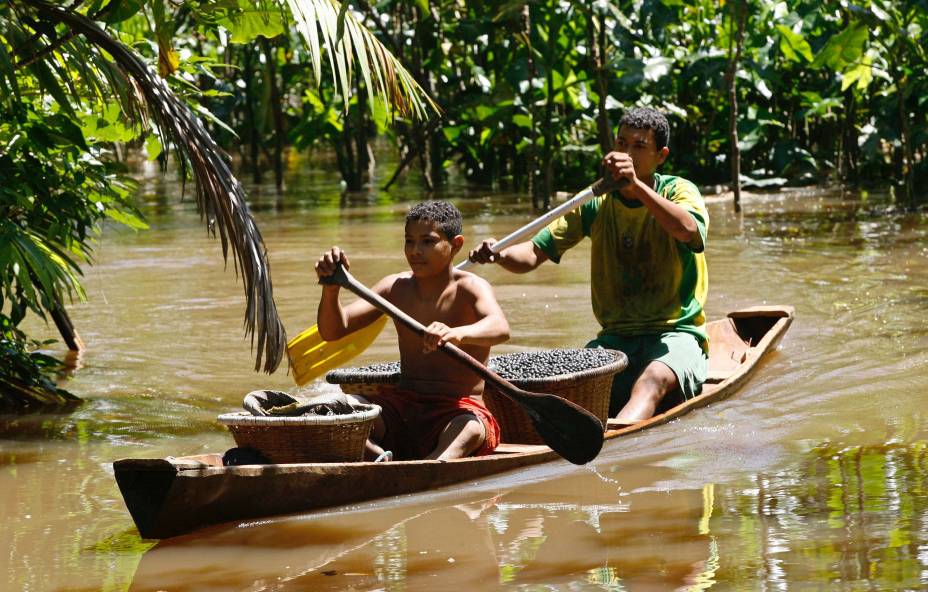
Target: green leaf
(452,132)
(861,73)
(126,218)
(153,146)
(523,121)
(250,23)
(119,10)
(340,27)
(844,48)
(793,45)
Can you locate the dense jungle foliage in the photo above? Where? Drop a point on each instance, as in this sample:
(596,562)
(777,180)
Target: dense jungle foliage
(511,93)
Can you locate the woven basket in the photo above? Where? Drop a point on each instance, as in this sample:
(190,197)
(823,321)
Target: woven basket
(591,389)
(366,380)
(304,439)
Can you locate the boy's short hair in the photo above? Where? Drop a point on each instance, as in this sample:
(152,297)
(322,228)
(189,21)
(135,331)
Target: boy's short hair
(443,213)
(646,118)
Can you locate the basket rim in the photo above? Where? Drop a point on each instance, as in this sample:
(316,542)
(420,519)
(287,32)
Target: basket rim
(619,363)
(244,418)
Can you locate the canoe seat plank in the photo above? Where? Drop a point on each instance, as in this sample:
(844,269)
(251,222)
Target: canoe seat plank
(506,448)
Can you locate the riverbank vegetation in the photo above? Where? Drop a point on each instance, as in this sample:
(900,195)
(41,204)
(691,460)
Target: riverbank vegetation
(504,94)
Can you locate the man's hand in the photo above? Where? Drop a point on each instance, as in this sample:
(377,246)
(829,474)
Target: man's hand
(484,253)
(437,334)
(620,165)
(327,264)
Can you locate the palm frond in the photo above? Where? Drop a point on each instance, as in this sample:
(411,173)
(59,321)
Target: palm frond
(383,74)
(219,195)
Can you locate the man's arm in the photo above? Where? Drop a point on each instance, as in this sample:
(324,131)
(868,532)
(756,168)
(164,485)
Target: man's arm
(672,218)
(520,258)
(334,320)
(490,330)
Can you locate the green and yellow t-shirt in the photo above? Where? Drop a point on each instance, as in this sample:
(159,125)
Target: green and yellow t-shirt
(643,280)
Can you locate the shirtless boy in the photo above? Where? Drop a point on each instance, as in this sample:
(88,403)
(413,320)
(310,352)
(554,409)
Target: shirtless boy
(436,412)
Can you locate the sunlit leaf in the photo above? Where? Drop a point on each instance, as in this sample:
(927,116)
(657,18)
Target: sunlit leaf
(168,60)
(861,74)
(383,74)
(793,45)
(844,48)
(153,147)
(250,23)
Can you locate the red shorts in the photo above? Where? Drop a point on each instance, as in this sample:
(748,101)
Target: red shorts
(415,421)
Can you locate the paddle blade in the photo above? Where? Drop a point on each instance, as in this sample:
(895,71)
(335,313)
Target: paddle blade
(311,356)
(568,429)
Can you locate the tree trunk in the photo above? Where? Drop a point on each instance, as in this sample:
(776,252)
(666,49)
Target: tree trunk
(531,154)
(849,147)
(251,123)
(66,327)
(278,114)
(908,162)
(739,15)
(596,39)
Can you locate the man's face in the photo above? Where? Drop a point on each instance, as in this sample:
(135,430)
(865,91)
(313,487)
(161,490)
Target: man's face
(427,250)
(642,147)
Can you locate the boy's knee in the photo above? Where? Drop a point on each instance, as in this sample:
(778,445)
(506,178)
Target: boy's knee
(469,428)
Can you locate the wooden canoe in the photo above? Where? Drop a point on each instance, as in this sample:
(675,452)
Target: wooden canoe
(175,495)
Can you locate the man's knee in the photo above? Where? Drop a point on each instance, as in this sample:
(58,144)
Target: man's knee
(655,382)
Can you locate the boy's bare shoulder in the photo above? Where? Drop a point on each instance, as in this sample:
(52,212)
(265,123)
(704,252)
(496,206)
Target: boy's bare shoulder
(471,281)
(390,281)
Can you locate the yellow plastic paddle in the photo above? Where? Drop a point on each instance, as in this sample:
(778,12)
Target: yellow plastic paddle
(311,356)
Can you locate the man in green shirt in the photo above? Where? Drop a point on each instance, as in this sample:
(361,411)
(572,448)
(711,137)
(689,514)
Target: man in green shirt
(647,271)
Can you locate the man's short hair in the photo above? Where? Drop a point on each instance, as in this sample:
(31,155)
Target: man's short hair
(448,218)
(645,118)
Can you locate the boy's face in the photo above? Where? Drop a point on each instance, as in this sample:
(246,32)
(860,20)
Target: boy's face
(428,250)
(642,147)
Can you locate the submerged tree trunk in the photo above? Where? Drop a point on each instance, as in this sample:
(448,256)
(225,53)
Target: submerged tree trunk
(908,162)
(66,327)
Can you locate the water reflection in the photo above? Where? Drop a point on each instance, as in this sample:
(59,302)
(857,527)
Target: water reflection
(857,516)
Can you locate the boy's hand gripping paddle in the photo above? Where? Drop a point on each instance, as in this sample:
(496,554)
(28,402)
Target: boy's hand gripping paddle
(311,356)
(568,429)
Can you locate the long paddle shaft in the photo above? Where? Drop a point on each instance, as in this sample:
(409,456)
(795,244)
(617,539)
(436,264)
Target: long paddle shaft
(311,356)
(570,430)
(601,186)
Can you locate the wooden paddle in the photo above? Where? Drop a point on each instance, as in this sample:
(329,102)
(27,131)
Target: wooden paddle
(568,429)
(311,356)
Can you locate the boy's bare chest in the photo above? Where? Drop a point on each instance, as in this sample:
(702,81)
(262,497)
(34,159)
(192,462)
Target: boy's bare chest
(449,307)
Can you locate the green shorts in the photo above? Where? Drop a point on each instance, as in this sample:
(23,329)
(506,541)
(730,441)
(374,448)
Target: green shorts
(680,351)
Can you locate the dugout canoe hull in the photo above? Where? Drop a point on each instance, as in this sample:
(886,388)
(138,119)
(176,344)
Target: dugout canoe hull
(176,495)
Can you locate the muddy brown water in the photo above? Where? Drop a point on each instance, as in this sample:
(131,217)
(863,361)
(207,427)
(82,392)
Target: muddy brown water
(814,477)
